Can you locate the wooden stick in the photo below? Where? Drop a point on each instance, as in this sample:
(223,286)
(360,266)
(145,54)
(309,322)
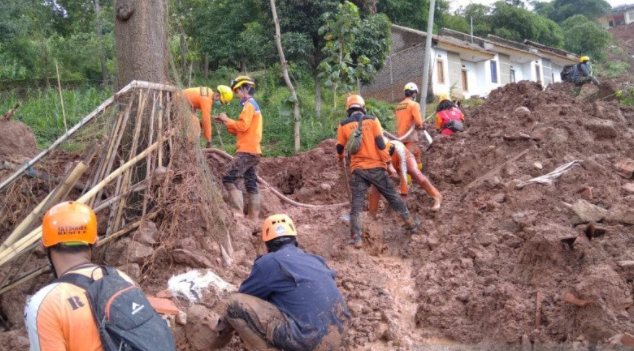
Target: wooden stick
(119,131)
(275,191)
(95,113)
(148,169)
(495,170)
(40,175)
(60,191)
(10,253)
(10,113)
(127,176)
(137,187)
(160,130)
(61,99)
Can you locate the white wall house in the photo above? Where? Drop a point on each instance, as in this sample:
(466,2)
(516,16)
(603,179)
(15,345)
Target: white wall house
(464,66)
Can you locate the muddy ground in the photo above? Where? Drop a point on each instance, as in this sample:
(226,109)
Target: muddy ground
(490,269)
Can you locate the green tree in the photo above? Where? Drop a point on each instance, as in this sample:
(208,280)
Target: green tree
(585,37)
(373,40)
(560,10)
(338,67)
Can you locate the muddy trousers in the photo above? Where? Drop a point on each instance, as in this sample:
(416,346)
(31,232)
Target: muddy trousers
(361,180)
(258,322)
(243,165)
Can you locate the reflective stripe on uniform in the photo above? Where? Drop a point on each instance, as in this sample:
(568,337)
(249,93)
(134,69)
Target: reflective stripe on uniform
(31,312)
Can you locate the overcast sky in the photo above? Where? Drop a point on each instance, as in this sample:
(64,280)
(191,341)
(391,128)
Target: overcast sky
(457,3)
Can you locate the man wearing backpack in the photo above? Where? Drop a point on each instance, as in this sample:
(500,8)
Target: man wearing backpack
(63,315)
(583,72)
(289,302)
(369,165)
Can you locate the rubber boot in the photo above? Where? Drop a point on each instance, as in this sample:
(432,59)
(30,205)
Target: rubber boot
(433,192)
(413,224)
(254,207)
(356,231)
(237,202)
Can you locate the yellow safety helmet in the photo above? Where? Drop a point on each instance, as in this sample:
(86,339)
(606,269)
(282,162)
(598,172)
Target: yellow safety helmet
(411,86)
(226,94)
(584,59)
(240,81)
(277,226)
(443,97)
(69,223)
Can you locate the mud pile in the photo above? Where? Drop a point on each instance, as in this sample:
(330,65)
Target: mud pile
(17,141)
(494,264)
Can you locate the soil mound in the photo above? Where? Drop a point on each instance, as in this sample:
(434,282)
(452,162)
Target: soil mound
(17,141)
(499,257)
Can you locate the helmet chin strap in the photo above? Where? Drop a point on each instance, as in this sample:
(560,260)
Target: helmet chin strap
(50,262)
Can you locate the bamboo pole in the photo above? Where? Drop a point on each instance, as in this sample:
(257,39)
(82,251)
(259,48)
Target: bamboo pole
(12,251)
(61,99)
(112,152)
(148,168)
(95,113)
(160,130)
(110,201)
(51,199)
(127,175)
(60,192)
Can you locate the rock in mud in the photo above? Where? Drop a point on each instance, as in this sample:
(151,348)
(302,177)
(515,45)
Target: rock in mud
(133,270)
(585,212)
(147,235)
(191,259)
(137,252)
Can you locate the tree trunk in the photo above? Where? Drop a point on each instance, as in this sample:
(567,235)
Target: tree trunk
(183,47)
(102,54)
(141,41)
(206,66)
(317,93)
(287,78)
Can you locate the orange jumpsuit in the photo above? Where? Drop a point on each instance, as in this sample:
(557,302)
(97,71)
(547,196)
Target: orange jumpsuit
(407,114)
(58,317)
(248,128)
(202,98)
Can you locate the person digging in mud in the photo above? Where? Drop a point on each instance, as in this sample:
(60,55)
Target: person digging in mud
(407,114)
(248,130)
(368,165)
(449,118)
(64,314)
(203,99)
(404,163)
(583,74)
(289,301)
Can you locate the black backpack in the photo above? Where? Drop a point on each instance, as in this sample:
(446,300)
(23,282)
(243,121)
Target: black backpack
(568,72)
(125,319)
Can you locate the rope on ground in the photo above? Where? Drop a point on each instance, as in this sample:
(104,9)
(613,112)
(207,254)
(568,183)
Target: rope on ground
(549,178)
(275,191)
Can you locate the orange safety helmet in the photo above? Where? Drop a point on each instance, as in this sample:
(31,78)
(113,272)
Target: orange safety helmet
(277,226)
(69,223)
(355,101)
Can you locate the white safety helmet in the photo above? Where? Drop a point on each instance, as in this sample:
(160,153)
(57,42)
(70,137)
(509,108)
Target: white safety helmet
(411,86)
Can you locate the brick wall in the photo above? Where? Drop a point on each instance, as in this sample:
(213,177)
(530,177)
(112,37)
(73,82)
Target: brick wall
(404,65)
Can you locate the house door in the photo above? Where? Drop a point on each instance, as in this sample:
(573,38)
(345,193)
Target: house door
(538,76)
(465,81)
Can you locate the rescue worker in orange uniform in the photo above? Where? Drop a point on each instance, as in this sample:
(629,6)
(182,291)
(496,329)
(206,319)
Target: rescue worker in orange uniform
(203,99)
(405,163)
(449,118)
(369,166)
(58,317)
(407,115)
(290,301)
(248,130)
